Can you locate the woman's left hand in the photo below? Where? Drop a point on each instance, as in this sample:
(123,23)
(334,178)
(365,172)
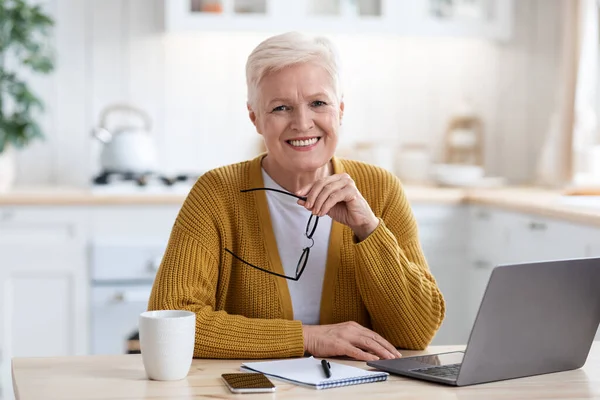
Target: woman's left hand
(338,197)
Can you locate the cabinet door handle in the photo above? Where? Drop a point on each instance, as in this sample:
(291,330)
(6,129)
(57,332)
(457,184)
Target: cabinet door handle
(119,297)
(131,296)
(481,264)
(537,226)
(482,214)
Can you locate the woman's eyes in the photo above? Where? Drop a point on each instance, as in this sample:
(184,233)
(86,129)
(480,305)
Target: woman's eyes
(316,103)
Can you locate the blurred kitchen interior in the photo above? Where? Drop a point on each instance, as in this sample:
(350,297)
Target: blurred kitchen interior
(486,109)
(403,90)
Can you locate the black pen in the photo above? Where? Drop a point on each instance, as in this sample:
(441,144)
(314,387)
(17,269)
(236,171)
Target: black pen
(326,368)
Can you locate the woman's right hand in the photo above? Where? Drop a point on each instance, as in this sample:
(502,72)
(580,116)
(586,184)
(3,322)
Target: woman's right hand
(347,339)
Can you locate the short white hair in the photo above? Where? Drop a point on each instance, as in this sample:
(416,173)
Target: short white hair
(288,49)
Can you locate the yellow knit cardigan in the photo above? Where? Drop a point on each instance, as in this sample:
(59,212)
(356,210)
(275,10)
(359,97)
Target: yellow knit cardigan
(382,283)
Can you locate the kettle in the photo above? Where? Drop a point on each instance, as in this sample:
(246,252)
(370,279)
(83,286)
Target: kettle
(126,149)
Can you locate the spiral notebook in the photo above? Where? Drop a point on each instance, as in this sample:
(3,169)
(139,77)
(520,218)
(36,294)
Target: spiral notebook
(308,372)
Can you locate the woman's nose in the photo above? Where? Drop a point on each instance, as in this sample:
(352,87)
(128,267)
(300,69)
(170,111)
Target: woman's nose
(302,119)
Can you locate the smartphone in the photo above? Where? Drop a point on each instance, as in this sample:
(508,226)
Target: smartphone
(248,383)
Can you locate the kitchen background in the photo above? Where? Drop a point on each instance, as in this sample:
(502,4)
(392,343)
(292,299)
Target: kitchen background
(511,85)
(398,89)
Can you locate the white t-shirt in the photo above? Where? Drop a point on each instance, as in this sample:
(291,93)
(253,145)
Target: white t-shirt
(289,226)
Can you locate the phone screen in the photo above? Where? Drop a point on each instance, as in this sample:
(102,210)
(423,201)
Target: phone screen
(248,382)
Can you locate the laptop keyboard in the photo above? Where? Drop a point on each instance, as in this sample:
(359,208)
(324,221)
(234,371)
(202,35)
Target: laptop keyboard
(445,371)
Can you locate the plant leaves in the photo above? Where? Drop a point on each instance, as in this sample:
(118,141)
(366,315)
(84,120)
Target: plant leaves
(24,34)
(39,63)
(20,129)
(3,137)
(23,97)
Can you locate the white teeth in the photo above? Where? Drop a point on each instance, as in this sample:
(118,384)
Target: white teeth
(303,143)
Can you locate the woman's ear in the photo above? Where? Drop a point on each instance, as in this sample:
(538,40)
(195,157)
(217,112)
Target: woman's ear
(252,115)
(341,111)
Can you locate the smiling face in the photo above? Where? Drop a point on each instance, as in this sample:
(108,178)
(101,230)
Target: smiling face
(298,114)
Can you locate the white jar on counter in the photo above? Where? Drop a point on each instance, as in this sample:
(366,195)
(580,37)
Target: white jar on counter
(413,163)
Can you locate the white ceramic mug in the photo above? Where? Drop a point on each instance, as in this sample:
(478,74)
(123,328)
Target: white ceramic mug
(167,343)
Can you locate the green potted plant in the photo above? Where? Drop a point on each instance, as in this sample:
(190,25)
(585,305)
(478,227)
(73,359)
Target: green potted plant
(24,46)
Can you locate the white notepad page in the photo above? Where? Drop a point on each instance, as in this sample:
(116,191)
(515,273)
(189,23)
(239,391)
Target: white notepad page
(308,371)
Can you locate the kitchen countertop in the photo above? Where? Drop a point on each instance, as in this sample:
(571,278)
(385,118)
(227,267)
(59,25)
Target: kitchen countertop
(70,196)
(552,204)
(538,201)
(83,197)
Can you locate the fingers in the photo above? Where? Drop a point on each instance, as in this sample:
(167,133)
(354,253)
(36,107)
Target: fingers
(347,193)
(333,189)
(317,188)
(386,345)
(349,339)
(330,192)
(374,342)
(371,345)
(356,353)
(371,341)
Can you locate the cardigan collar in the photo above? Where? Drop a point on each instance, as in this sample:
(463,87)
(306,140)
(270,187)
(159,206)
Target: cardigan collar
(266,227)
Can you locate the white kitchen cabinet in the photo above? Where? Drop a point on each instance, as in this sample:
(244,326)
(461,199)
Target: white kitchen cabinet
(132,224)
(505,237)
(501,237)
(534,238)
(448,268)
(43,285)
(442,232)
(275,16)
(593,243)
(127,243)
(488,237)
(490,19)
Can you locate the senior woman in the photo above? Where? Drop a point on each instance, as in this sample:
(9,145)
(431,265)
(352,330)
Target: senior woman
(297,251)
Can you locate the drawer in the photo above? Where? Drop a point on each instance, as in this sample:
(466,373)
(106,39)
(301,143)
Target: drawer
(534,238)
(133,223)
(442,226)
(41,225)
(130,262)
(488,236)
(120,295)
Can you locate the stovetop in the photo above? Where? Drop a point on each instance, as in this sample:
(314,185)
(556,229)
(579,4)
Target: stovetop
(143,183)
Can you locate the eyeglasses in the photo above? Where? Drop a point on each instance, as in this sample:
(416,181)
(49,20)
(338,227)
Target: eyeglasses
(311,227)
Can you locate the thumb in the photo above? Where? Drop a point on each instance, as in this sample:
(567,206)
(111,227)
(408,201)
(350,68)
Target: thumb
(303,191)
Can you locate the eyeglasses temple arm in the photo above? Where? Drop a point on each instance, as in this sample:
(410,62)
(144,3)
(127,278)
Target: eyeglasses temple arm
(303,198)
(261,269)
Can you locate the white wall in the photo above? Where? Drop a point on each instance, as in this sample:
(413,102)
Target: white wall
(398,89)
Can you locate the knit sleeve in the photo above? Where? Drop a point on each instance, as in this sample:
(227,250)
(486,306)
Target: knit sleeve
(188,279)
(402,297)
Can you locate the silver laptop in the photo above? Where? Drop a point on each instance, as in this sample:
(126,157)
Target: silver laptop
(534,319)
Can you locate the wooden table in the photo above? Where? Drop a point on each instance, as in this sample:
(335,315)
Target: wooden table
(122,377)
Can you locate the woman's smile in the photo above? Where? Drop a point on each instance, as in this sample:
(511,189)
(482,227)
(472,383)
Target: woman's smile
(303,144)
